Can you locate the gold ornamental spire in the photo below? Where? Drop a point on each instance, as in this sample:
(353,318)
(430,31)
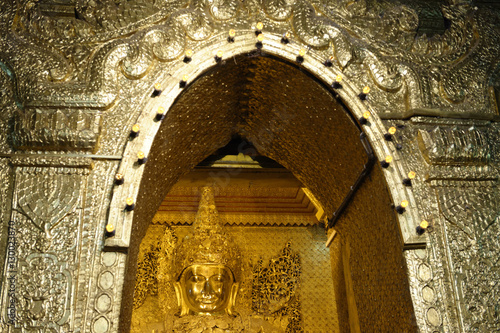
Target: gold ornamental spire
(207,218)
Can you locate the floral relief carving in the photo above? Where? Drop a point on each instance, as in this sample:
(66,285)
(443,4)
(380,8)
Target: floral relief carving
(85,50)
(43,292)
(45,232)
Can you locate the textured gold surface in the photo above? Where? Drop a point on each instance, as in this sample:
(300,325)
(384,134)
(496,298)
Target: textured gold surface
(377,266)
(284,130)
(76,75)
(317,298)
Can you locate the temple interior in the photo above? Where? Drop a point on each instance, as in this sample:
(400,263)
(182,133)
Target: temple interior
(257,166)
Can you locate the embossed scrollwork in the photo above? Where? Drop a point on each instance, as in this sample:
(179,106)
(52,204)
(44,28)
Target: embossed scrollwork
(386,33)
(278,9)
(385,74)
(43,291)
(342,47)
(163,42)
(408,19)
(169,43)
(311,28)
(223,9)
(452,88)
(30,20)
(196,22)
(139,59)
(320,31)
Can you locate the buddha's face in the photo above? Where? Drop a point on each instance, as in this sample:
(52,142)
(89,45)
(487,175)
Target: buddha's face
(207,288)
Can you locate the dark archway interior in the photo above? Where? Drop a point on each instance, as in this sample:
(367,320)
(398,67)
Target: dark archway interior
(296,121)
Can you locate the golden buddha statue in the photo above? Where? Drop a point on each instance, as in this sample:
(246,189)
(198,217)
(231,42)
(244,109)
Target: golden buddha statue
(205,270)
(207,265)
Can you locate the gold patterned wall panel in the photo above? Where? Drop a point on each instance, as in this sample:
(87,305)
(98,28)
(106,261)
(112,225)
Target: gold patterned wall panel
(44,242)
(377,264)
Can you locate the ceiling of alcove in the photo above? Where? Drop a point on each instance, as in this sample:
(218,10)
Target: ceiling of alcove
(288,115)
(249,196)
(250,189)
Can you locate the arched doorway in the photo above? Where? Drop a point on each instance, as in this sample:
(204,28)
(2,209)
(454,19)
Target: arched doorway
(297,121)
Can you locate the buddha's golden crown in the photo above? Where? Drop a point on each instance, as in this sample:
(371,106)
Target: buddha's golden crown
(208,243)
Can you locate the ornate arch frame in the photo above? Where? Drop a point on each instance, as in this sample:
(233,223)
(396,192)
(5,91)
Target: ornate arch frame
(202,60)
(245,42)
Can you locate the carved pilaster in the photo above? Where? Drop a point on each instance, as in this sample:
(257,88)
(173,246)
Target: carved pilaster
(471,212)
(44,242)
(456,158)
(453,159)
